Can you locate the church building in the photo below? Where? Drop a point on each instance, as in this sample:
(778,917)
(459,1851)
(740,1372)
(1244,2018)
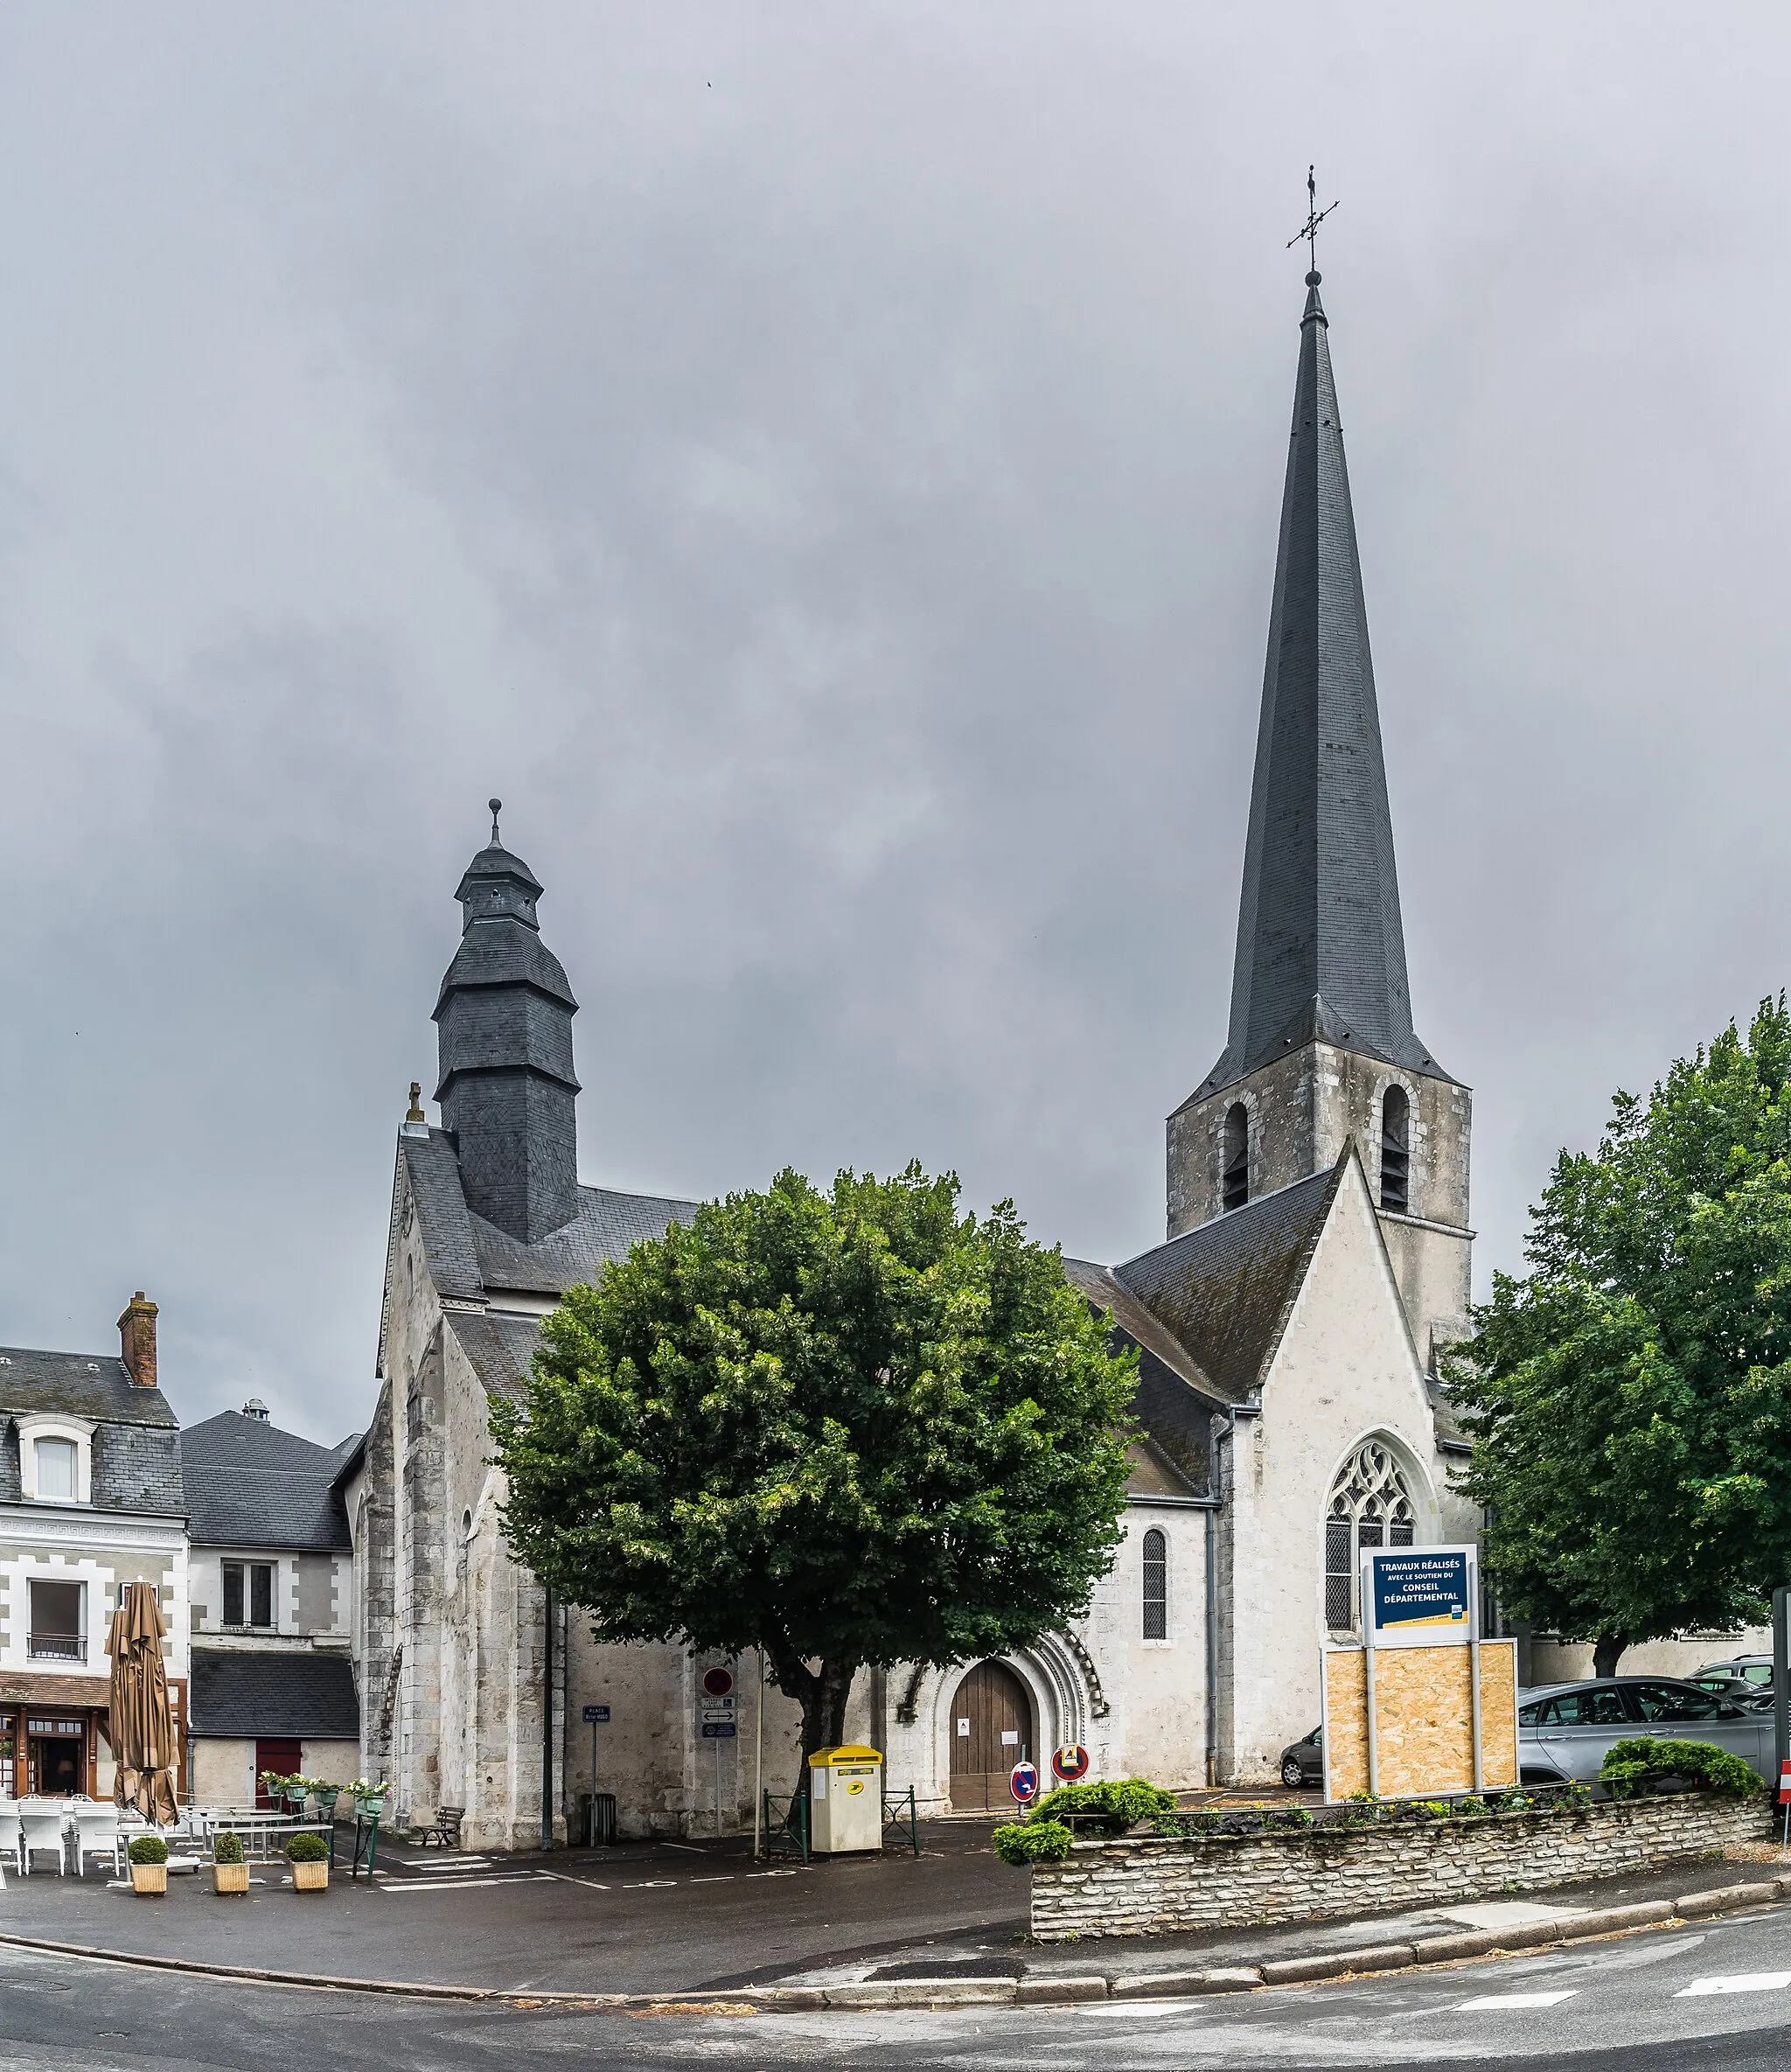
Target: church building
(1315,1261)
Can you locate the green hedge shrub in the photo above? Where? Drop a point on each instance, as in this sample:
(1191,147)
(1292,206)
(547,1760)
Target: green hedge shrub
(1037,1841)
(227,1848)
(1108,1808)
(307,1849)
(149,1849)
(1629,1763)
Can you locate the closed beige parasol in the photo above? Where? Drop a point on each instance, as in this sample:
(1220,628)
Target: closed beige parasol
(143,1724)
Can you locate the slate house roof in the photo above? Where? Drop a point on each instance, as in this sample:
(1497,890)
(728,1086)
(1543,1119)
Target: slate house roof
(238,1695)
(136,1436)
(250,1484)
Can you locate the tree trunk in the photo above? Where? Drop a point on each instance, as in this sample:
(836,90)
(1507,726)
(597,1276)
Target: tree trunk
(1607,1652)
(822,1695)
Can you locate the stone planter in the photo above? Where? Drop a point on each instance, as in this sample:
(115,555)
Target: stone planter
(148,1879)
(231,1877)
(1147,1885)
(310,1877)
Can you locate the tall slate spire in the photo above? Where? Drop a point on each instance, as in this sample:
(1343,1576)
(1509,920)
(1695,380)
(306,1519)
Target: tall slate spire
(1320,949)
(503,1023)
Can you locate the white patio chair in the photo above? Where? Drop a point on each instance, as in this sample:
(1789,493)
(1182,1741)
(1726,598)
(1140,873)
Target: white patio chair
(41,1828)
(10,1831)
(95,1834)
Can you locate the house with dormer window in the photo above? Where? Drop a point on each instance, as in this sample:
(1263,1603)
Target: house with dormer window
(91,1498)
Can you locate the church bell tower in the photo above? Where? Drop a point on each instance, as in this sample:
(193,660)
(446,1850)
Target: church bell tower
(503,1022)
(1322,1046)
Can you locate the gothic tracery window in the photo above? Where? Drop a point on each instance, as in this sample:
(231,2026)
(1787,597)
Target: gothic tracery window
(1371,1506)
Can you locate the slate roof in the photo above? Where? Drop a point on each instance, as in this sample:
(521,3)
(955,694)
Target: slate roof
(77,1385)
(1207,1311)
(240,1695)
(1320,943)
(136,1435)
(250,1484)
(500,1346)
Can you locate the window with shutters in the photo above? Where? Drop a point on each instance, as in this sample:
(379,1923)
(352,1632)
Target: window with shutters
(1156,1585)
(1396,1151)
(1371,1506)
(1235,1186)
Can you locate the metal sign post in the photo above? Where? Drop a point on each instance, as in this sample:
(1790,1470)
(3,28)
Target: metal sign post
(595,1716)
(1781,1678)
(716,1708)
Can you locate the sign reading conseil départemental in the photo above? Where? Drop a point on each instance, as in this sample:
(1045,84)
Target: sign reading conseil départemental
(1421,1597)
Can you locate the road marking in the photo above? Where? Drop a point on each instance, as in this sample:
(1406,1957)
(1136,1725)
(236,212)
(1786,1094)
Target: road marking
(650,1885)
(1120,2010)
(1517,2000)
(1737,1982)
(468,1884)
(562,1878)
(715,1878)
(768,1873)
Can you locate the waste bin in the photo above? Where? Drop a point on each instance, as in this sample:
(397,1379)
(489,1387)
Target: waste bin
(845,1800)
(597,1818)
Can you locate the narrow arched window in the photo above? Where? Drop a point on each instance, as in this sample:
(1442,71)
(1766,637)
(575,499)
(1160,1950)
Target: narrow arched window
(1396,1150)
(1156,1585)
(1235,1190)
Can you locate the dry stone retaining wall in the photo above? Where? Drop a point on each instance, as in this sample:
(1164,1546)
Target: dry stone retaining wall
(1147,1887)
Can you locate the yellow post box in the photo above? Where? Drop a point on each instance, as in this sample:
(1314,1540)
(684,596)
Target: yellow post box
(845,1800)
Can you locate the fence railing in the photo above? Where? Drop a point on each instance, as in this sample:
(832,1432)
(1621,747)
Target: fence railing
(59,1647)
(785,1826)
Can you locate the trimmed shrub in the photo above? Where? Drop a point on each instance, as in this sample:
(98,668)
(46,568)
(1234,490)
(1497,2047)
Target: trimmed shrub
(307,1849)
(227,1848)
(1629,1763)
(1108,1808)
(1037,1841)
(149,1849)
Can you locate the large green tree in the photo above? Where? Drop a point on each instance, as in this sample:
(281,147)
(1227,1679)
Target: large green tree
(852,1428)
(1629,1398)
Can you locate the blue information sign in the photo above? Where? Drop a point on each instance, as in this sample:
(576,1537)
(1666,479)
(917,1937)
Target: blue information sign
(1420,1596)
(596,1715)
(719,1731)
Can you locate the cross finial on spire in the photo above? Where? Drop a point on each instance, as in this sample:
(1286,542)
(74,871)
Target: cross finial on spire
(496,806)
(1309,229)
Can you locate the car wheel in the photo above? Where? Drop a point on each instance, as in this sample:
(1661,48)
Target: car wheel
(1291,1775)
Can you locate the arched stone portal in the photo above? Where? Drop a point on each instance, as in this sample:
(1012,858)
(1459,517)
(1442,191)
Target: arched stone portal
(990,1729)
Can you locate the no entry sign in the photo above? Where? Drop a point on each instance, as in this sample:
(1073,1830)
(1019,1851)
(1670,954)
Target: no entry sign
(1024,1782)
(1070,1762)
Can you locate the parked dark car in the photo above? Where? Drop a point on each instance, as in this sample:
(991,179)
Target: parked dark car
(1564,1730)
(1303,1763)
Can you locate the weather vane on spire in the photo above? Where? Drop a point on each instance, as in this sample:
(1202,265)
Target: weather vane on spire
(1309,229)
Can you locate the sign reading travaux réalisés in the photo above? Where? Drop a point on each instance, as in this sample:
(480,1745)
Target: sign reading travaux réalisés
(1420,1596)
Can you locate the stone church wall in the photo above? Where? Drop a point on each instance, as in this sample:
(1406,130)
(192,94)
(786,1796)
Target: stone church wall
(1345,1371)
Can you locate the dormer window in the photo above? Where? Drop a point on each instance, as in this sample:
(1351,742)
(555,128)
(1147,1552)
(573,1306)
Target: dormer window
(59,1469)
(55,1459)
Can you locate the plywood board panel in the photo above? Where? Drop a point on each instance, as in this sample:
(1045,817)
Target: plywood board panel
(1423,1720)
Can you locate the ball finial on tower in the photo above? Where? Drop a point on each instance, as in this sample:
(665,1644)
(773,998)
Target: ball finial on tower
(496,806)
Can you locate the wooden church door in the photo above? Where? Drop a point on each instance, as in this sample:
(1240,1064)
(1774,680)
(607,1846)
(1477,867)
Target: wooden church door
(990,1726)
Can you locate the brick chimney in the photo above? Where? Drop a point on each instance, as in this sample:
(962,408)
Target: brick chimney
(136,1340)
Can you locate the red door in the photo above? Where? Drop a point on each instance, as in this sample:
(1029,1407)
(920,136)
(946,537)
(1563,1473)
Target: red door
(279,1755)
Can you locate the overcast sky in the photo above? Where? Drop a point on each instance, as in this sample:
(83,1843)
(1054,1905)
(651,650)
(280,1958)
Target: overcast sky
(819,464)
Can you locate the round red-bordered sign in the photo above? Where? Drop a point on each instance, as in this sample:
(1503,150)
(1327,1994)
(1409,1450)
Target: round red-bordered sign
(1023,1783)
(1071,1763)
(718,1682)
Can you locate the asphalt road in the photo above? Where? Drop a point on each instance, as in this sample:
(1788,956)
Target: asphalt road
(1665,2001)
(643,1918)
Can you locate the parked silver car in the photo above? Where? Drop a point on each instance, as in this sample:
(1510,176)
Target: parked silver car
(1564,1730)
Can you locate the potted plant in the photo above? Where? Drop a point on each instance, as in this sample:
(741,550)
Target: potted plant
(229,1870)
(310,1858)
(149,1865)
(369,1798)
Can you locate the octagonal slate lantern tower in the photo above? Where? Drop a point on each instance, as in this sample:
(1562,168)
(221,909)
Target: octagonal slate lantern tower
(506,1087)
